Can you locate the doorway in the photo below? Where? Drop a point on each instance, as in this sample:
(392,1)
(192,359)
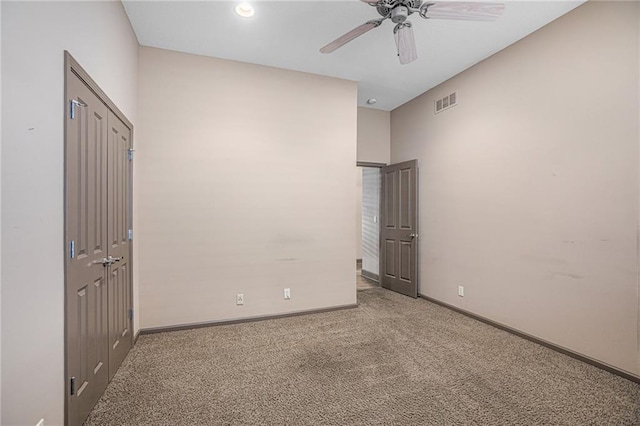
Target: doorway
(368,184)
(387,227)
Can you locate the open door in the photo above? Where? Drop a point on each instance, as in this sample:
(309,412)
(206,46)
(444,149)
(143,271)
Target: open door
(399,231)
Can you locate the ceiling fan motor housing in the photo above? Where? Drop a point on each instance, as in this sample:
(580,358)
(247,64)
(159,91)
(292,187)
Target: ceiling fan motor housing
(399,14)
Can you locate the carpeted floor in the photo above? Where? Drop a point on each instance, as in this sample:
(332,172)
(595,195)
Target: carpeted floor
(364,283)
(393,360)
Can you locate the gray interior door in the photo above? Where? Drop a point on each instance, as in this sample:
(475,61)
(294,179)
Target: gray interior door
(98,322)
(119,175)
(86,237)
(399,231)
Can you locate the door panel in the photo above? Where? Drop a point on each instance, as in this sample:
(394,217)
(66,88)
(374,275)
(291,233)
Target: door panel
(86,231)
(101,325)
(405,260)
(83,379)
(399,257)
(390,254)
(388,199)
(404,200)
(120,335)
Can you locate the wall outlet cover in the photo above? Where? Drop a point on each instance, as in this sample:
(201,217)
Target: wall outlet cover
(287,293)
(240,299)
(461,291)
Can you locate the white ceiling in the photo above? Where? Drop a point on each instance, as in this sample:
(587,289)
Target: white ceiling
(288,34)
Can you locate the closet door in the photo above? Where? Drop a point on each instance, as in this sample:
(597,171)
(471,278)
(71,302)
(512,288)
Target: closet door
(98,316)
(118,217)
(86,248)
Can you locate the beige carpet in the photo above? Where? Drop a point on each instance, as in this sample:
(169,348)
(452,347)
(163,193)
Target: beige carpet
(364,283)
(392,360)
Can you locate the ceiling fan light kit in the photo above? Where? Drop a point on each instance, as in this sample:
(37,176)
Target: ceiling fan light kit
(405,42)
(399,10)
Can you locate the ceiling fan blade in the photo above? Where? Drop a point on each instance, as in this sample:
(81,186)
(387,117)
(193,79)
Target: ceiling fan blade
(405,42)
(468,11)
(346,38)
(371,2)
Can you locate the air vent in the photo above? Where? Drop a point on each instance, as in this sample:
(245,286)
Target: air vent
(446,102)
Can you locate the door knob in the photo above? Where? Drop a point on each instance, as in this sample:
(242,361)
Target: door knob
(412,236)
(108,261)
(105,261)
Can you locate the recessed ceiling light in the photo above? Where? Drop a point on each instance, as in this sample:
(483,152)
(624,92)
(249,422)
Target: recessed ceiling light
(245,10)
(371,101)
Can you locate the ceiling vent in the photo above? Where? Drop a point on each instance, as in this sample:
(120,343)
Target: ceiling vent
(446,102)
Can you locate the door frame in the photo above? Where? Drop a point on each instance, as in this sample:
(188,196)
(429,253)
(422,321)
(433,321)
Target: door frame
(72,66)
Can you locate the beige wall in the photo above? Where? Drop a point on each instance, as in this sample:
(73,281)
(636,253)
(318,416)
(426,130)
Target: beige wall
(529,187)
(373,135)
(246,185)
(0,229)
(34,36)
(638,121)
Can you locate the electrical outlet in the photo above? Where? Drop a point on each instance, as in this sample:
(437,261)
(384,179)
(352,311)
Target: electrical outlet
(239,299)
(287,293)
(461,291)
(40,423)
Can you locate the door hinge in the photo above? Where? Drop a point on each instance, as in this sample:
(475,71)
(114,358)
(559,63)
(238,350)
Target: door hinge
(72,249)
(130,314)
(72,107)
(72,386)
(130,234)
(130,154)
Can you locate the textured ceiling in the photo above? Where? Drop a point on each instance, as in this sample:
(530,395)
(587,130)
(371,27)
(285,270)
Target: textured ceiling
(288,34)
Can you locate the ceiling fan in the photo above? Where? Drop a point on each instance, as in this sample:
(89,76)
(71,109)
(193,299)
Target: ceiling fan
(399,10)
